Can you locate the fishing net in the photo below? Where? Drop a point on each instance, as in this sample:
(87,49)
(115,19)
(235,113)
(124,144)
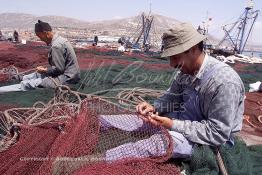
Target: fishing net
(253,110)
(72,139)
(68,137)
(238,160)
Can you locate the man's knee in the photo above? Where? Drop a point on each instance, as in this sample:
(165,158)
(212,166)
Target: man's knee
(50,83)
(30,84)
(182,147)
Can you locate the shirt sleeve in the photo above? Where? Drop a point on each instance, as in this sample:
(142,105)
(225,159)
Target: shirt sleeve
(216,129)
(170,101)
(58,62)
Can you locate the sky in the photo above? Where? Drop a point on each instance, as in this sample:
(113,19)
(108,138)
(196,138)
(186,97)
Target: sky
(194,11)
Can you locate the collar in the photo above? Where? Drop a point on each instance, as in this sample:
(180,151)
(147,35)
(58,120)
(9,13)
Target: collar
(190,79)
(201,71)
(54,38)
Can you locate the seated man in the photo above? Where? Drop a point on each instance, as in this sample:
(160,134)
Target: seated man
(204,104)
(62,59)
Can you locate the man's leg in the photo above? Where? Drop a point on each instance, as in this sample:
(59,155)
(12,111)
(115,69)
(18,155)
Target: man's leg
(125,122)
(23,86)
(154,146)
(11,88)
(182,147)
(53,82)
(31,76)
(30,84)
(30,81)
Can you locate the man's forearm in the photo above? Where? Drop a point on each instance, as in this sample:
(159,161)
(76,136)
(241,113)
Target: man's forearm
(53,72)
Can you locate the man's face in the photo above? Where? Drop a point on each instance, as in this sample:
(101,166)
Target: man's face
(178,61)
(188,61)
(42,36)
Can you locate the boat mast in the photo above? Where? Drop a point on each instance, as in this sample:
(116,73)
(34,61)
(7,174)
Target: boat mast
(241,28)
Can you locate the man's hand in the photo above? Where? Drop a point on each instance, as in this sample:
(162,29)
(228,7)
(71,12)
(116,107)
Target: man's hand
(162,121)
(144,108)
(41,69)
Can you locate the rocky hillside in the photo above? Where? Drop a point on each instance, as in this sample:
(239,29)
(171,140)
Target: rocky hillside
(27,21)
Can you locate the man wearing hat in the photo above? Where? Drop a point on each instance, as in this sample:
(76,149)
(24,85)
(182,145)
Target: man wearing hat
(62,59)
(63,67)
(205,102)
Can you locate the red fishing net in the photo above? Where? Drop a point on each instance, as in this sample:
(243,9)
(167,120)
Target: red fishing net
(253,109)
(102,139)
(252,123)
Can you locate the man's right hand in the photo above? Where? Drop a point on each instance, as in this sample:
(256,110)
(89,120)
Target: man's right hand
(41,69)
(144,108)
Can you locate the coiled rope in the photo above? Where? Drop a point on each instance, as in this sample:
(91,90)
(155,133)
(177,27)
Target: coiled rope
(64,105)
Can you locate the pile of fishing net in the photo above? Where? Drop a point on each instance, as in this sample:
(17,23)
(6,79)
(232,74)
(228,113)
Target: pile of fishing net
(253,110)
(252,124)
(69,135)
(81,138)
(238,160)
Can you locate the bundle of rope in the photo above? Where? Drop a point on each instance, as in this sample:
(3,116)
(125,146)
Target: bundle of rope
(253,110)
(12,71)
(78,133)
(65,104)
(256,125)
(68,100)
(127,98)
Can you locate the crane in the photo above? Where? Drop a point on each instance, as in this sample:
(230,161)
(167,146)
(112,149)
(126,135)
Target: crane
(237,33)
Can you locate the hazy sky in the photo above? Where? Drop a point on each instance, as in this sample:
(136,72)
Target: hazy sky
(194,11)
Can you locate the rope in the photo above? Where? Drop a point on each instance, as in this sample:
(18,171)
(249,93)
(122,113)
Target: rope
(60,108)
(13,71)
(256,125)
(221,164)
(260,118)
(66,99)
(7,142)
(248,118)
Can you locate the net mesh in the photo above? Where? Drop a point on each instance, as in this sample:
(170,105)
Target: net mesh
(102,138)
(253,110)
(238,160)
(31,154)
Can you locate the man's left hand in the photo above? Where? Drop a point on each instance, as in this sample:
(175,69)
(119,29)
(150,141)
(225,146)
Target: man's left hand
(158,120)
